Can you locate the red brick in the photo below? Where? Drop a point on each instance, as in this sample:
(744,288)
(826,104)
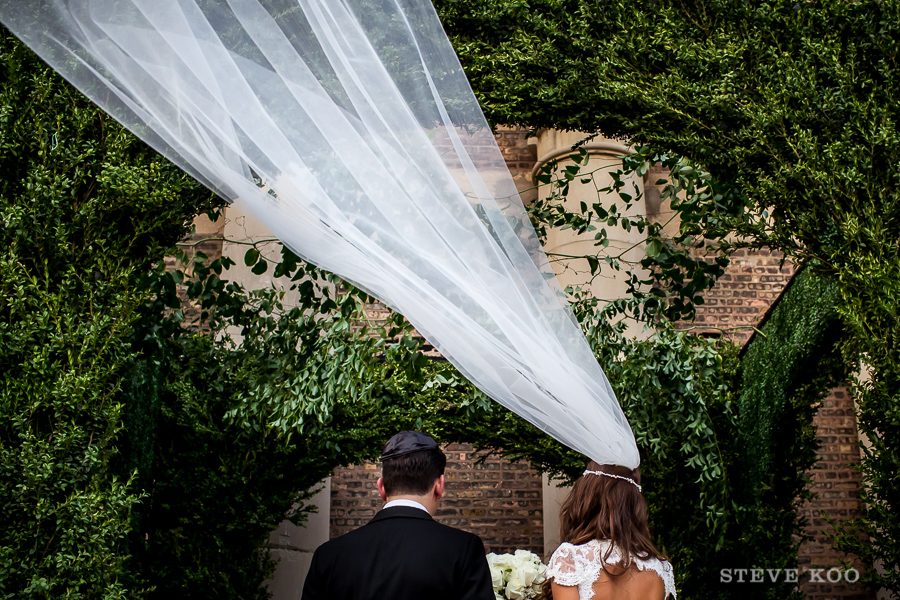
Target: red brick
(835,484)
(498,500)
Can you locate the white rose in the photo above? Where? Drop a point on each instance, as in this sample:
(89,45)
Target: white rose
(496,579)
(502,566)
(514,589)
(527,575)
(501,561)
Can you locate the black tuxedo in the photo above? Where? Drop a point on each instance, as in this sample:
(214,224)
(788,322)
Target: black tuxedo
(401,554)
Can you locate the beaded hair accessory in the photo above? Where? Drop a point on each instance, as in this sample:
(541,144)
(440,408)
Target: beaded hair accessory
(628,479)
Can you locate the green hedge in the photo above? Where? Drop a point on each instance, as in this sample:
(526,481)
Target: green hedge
(785,372)
(139,457)
(85,208)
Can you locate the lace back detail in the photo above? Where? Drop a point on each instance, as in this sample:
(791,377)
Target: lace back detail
(580,566)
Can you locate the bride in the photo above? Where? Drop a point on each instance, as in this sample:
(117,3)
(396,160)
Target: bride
(606,552)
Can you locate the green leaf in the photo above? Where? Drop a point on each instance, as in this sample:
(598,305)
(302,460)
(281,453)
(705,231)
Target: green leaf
(260,267)
(654,248)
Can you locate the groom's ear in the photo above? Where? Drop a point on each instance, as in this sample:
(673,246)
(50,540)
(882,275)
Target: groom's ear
(380,485)
(438,488)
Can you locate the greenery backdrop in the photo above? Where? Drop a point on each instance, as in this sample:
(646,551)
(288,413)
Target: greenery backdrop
(142,456)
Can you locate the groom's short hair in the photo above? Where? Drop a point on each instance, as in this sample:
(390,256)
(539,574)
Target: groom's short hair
(413,473)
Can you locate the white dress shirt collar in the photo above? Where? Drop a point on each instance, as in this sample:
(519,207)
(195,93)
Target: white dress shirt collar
(404,502)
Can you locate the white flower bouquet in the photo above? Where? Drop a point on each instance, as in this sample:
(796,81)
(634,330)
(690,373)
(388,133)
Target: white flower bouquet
(516,576)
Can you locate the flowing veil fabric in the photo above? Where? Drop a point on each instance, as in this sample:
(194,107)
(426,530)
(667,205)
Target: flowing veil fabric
(348,127)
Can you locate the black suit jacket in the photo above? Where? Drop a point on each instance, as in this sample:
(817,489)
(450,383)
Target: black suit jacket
(401,554)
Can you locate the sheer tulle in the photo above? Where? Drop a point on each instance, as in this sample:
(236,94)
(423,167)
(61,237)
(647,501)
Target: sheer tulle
(349,128)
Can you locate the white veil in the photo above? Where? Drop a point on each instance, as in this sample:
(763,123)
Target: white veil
(349,128)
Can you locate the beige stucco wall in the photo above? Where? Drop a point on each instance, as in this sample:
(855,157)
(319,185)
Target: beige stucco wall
(292,547)
(553,496)
(605,156)
(239,229)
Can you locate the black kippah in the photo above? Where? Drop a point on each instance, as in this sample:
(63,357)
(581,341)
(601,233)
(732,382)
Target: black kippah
(406,442)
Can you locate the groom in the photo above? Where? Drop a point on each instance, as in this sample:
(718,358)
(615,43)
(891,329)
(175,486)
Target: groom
(402,553)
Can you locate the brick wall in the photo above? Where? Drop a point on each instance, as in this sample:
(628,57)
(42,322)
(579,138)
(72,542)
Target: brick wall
(498,500)
(836,485)
(520,157)
(743,295)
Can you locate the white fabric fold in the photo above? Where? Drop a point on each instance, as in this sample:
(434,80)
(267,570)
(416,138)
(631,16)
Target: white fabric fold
(348,127)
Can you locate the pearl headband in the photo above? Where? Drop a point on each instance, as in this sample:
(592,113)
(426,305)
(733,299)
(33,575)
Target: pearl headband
(628,479)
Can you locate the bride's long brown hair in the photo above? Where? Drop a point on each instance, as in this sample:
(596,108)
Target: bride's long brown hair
(607,508)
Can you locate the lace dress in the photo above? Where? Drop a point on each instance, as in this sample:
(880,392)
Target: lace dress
(580,566)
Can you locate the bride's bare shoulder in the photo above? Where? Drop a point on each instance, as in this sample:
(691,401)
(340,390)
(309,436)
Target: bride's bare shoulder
(633,583)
